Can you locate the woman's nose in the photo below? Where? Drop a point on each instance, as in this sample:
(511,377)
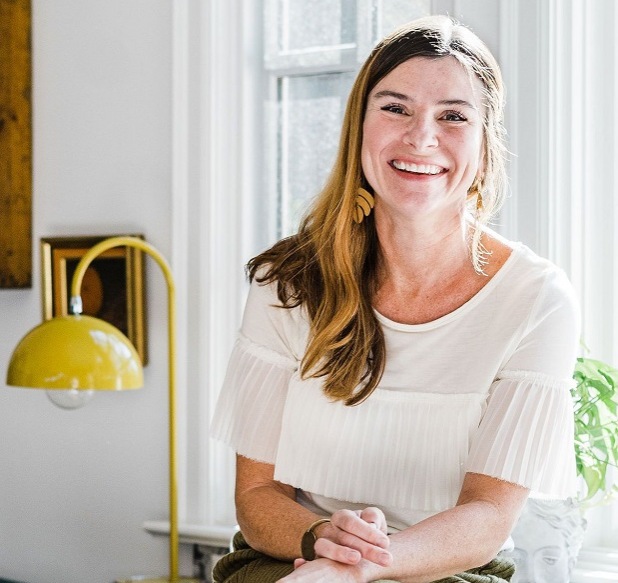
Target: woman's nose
(421,133)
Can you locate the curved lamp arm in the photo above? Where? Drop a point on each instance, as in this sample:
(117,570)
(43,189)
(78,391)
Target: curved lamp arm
(76,308)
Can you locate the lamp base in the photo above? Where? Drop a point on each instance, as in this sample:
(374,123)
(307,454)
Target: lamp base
(141,579)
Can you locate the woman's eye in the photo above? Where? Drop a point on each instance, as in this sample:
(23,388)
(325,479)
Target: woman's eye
(393,108)
(453,116)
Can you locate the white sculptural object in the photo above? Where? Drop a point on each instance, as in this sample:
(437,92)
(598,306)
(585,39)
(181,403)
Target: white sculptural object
(547,540)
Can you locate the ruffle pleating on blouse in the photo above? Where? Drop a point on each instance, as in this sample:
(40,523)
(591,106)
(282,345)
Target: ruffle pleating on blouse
(397,449)
(250,407)
(404,449)
(526,435)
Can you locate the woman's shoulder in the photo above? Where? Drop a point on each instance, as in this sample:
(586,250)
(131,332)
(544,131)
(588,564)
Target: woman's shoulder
(526,274)
(268,321)
(497,252)
(522,258)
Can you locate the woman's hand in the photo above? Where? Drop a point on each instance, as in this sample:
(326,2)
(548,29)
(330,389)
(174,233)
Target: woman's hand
(325,571)
(354,535)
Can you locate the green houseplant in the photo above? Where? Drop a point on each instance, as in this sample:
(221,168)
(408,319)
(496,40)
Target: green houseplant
(595,405)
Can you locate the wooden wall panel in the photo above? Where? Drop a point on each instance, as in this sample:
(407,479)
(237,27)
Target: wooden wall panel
(15,145)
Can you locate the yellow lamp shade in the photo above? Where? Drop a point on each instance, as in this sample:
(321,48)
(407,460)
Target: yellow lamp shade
(75,352)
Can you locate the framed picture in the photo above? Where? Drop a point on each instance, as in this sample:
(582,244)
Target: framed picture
(112,289)
(15,145)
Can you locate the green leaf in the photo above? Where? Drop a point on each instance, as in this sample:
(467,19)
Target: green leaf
(593,479)
(595,409)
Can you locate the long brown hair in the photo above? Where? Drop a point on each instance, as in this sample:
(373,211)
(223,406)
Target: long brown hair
(329,266)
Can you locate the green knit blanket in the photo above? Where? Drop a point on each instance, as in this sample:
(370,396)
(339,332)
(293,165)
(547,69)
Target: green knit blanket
(246,565)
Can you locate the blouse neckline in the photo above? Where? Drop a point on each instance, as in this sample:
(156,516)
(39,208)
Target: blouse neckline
(464,308)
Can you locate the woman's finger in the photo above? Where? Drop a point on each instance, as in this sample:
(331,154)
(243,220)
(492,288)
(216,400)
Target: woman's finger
(348,548)
(370,552)
(329,549)
(352,523)
(374,515)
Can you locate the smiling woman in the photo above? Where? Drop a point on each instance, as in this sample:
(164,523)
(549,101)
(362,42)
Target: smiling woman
(356,398)
(557,58)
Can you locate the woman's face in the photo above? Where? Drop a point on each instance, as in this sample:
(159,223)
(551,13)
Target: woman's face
(423,138)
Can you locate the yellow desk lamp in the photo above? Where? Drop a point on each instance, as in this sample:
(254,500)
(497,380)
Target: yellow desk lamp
(83,353)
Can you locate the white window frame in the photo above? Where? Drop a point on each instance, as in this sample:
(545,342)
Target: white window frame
(215,167)
(214,120)
(564,179)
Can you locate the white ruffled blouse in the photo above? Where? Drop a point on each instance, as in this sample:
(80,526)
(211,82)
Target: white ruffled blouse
(483,389)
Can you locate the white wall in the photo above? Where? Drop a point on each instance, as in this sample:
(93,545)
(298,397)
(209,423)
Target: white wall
(75,487)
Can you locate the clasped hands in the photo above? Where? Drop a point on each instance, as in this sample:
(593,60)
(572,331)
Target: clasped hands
(349,538)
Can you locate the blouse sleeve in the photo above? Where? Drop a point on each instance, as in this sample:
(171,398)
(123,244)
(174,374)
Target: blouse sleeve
(526,433)
(248,413)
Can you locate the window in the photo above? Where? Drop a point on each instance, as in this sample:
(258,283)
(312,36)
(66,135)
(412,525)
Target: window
(245,166)
(312,51)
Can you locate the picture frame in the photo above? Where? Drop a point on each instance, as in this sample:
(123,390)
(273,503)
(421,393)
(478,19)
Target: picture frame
(15,145)
(113,288)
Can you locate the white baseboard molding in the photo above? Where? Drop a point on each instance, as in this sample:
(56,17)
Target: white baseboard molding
(211,536)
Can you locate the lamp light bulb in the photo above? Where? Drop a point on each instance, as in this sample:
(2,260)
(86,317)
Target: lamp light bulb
(71,398)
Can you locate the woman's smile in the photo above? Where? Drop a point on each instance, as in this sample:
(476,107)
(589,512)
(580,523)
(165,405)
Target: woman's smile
(417,169)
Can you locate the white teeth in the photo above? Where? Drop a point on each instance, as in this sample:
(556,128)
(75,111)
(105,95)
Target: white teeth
(417,168)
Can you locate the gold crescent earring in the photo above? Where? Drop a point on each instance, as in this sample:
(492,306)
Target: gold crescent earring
(364,203)
(475,191)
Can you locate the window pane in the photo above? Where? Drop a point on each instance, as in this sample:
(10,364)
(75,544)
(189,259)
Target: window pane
(301,33)
(311,110)
(316,24)
(394,13)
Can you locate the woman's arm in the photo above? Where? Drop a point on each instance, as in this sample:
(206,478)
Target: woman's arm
(273,522)
(466,536)
(469,535)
